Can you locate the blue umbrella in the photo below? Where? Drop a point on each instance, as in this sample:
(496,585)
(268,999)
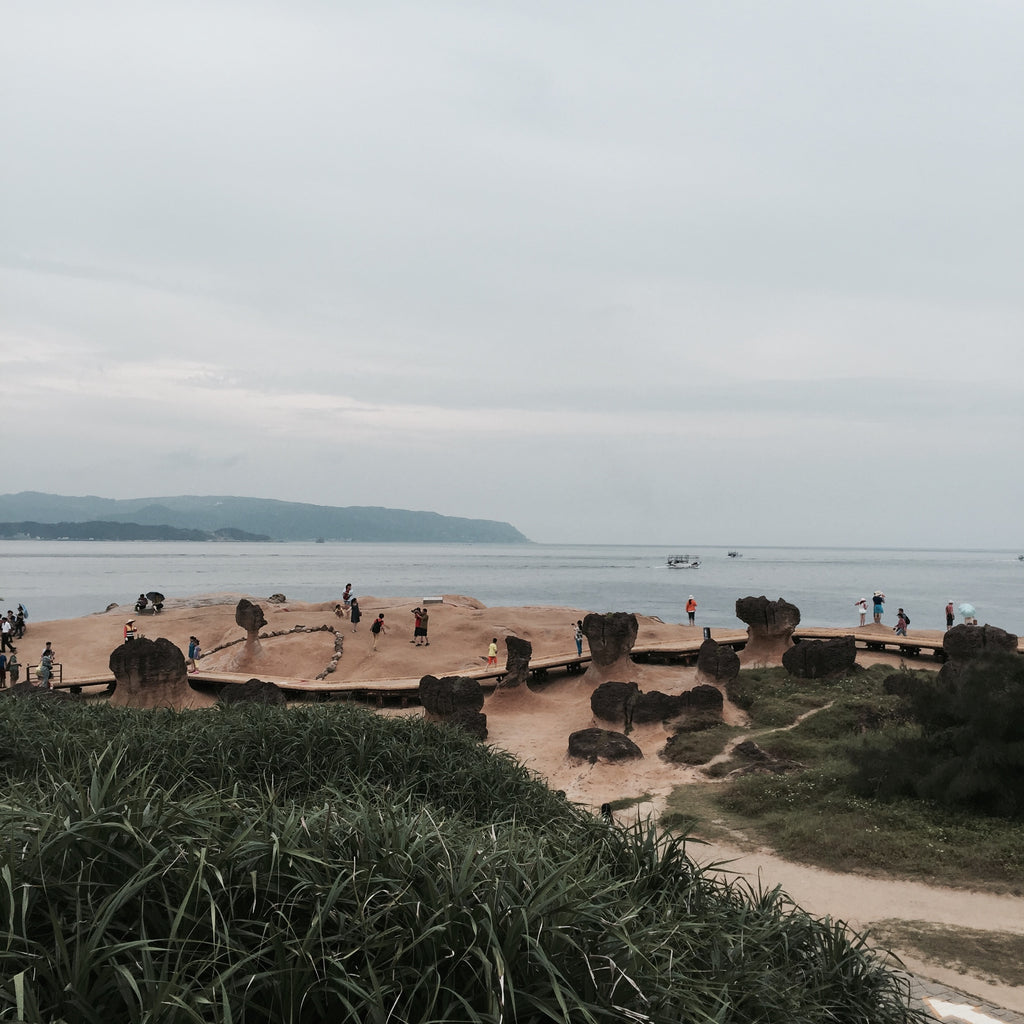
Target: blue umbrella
(966,610)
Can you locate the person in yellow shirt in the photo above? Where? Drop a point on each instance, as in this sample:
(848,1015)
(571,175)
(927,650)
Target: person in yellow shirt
(492,653)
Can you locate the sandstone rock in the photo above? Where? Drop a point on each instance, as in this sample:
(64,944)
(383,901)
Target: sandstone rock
(250,617)
(517,662)
(603,744)
(770,626)
(276,599)
(704,697)
(253,691)
(152,674)
(450,695)
(25,690)
(657,707)
(473,722)
(717,661)
(613,702)
(610,636)
(760,762)
(961,643)
(818,659)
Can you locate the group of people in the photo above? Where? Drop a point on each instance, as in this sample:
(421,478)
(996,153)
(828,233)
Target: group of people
(10,667)
(12,627)
(902,618)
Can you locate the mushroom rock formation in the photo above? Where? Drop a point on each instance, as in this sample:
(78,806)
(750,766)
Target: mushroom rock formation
(611,636)
(443,697)
(626,703)
(963,643)
(152,674)
(818,659)
(602,744)
(517,663)
(252,691)
(250,617)
(704,697)
(717,661)
(456,700)
(770,626)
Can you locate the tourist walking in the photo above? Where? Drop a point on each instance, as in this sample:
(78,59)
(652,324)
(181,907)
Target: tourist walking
(6,631)
(949,615)
(45,670)
(492,653)
(862,607)
(577,635)
(691,609)
(354,614)
(878,605)
(902,621)
(376,629)
(3,670)
(13,668)
(346,597)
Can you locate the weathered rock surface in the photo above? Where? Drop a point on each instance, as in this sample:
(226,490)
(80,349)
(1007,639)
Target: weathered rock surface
(819,659)
(152,674)
(613,702)
(770,626)
(961,643)
(717,661)
(611,636)
(474,722)
(517,662)
(602,744)
(250,617)
(450,695)
(277,599)
(252,691)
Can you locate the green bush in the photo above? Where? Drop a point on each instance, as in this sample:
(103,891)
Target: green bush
(259,864)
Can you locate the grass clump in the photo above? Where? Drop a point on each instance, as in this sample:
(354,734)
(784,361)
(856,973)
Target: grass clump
(259,864)
(829,813)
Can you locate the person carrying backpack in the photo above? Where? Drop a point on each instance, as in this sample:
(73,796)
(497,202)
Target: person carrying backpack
(376,629)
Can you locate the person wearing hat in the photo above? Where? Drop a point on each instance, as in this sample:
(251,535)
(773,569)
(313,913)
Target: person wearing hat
(691,608)
(878,605)
(129,630)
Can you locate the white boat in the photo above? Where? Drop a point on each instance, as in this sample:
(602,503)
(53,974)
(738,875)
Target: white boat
(683,562)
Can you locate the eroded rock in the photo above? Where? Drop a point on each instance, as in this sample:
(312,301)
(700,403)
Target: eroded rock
(610,636)
(819,659)
(602,744)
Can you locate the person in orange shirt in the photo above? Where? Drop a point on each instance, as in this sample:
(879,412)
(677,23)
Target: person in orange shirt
(691,609)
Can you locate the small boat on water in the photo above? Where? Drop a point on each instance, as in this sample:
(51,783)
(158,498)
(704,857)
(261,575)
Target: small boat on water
(682,562)
(734,554)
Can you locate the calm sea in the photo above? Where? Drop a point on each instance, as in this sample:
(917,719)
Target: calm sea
(64,579)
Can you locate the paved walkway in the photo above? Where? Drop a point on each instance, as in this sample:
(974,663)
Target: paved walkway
(947,1004)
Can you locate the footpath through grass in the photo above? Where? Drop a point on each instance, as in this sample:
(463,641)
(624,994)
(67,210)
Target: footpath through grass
(812,815)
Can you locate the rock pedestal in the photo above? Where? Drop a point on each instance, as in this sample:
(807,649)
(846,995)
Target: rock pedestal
(717,662)
(818,659)
(456,700)
(610,636)
(152,674)
(962,644)
(517,663)
(770,626)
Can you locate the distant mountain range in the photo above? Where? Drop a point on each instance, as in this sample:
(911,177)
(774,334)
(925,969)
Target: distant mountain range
(232,518)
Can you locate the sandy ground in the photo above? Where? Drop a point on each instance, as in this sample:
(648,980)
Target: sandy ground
(532,724)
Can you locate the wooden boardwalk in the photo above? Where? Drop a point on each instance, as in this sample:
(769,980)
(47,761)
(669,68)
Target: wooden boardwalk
(681,651)
(884,639)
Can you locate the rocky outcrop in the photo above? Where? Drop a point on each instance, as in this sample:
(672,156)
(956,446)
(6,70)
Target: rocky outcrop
(277,599)
(717,661)
(602,744)
(442,698)
(252,691)
(152,674)
(625,703)
(963,643)
(454,700)
(611,636)
(770,626)
(517,662)
(250,617)
(27,690)
(820,659)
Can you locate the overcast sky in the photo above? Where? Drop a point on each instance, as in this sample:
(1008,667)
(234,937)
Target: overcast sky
(647,272)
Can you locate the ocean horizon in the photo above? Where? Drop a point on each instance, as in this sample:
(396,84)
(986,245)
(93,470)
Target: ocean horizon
(68,579)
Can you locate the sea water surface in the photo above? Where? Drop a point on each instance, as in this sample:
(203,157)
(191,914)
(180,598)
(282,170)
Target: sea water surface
(64,579)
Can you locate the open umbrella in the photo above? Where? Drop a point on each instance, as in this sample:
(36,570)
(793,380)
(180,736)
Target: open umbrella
(156,599)
(967,611)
